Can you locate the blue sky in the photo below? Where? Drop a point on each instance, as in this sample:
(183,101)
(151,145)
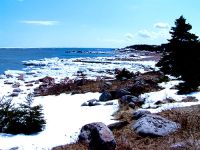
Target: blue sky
(92,23)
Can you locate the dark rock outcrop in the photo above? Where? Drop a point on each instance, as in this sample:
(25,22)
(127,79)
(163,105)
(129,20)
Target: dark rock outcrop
(97,136)
(154,126)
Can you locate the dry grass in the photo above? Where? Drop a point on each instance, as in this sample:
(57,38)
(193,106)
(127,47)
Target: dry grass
(76,146)
(189,134)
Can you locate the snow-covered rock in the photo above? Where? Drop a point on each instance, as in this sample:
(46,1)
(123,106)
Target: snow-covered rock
(154,126)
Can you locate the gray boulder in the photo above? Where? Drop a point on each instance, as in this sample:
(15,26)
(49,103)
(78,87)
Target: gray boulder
(154,126)
(97,136)
(105,96)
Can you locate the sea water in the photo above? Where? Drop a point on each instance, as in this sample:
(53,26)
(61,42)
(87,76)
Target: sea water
(11,58)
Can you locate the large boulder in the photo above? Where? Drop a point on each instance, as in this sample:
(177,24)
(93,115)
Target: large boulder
(97,136)
(154,126)
(105,96)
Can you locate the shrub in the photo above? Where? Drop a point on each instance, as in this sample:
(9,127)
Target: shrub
(25,119)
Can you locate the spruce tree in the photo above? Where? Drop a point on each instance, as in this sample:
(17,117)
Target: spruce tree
(181,57)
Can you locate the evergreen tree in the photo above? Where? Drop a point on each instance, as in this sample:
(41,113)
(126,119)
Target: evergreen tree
(181,57)
(33,118)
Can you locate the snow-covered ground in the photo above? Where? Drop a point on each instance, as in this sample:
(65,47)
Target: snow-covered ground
(64,113)
(167,93)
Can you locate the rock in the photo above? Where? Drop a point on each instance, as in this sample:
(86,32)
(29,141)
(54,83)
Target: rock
(9,76)
(123,74)
(131,105)
(105,85)
(105,96)
(154,126)
(8,82)
(21,77)
(17,90)
(37,82)
(14,94)
(14,148)
(186,145)
(117,125)
(121,92)
(29,84)
(48,80)
(80,82)
(140,113)
(126,99)
(97,136)
(16,85)
(30,73)
(108,83)
(84,104)
(189,99)
(92,102)
(109,103)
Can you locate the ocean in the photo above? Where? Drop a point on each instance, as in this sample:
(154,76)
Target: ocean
(11,58)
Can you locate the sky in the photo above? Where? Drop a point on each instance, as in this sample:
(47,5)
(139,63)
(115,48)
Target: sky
(92,23)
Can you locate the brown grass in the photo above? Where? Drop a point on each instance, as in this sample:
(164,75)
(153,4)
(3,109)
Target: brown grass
(188,117)
(75,146)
